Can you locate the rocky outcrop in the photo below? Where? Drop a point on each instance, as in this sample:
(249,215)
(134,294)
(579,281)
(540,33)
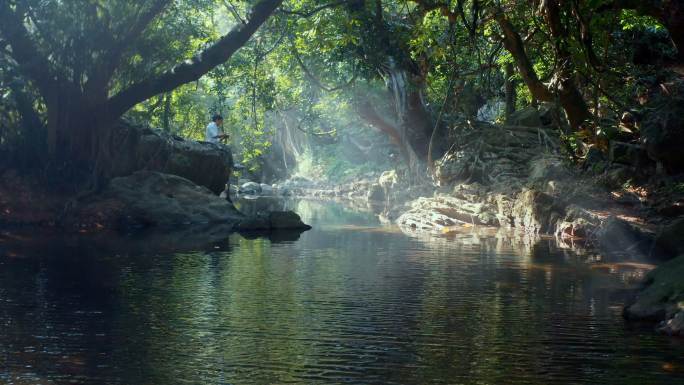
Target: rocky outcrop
(275,220)
(152,199)
(670,238)
(142,148)
(662,299)
(662,133)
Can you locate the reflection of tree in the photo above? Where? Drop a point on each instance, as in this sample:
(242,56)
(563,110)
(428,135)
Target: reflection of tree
(342,304)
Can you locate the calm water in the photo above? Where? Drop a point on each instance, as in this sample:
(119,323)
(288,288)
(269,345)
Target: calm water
(348,302)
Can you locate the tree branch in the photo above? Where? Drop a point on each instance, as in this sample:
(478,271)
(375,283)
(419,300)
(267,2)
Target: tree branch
(120,44)
(194,68)
(514,44)
(34,65)
(315,80)
(314,11)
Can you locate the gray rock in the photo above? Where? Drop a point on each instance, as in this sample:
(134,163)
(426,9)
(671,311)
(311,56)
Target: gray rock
(662,297)
(139,148)
(548,168)
(149,198)
(617,235)
(250,188)
(536,212)
(527,117)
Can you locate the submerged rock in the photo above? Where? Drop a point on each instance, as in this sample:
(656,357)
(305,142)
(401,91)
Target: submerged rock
(662,299)
(275,220)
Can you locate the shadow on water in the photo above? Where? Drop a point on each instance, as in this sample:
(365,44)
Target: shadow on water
(350,301)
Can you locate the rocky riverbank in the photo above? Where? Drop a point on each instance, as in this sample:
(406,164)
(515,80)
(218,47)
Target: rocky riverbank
(516,176)
(159,181)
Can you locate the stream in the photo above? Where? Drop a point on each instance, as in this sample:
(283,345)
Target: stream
(351,301)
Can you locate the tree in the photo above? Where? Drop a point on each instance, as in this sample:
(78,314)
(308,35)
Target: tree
(81,56)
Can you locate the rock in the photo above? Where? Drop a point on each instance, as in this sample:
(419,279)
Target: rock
(617,235)
(275,220)
(376,193)
(149,198)
(595,160)
(673,326)
(627,153)
(139,148)
(266,189)
(286,220)
(548,168)
(536,212)
(434,214)
(615,176)
(527,117)
(549,113)
(662,132)
(662,299)
(578,223)
(670,239)
(388,180)
(671,209)
(250,188)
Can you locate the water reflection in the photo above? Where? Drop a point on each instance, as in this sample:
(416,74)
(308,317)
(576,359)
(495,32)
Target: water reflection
(350,301)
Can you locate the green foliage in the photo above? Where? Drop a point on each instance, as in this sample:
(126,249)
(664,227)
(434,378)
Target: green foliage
(450,55)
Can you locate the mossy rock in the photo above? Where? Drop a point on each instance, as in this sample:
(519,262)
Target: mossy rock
(663,296)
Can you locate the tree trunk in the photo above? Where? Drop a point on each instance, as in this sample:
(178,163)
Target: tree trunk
(511,96)
(565,90)
(418,123)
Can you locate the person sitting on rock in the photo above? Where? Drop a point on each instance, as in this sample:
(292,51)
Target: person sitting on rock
(214,132)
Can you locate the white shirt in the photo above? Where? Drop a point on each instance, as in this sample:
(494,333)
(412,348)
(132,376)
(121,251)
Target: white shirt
(213,130)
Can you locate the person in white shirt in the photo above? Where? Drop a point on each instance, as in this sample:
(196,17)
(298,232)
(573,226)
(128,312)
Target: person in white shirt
(214,132)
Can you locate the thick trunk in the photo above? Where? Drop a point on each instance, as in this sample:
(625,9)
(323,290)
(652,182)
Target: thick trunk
(371,116)
(418,123)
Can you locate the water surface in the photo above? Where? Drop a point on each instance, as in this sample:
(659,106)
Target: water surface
(349,302)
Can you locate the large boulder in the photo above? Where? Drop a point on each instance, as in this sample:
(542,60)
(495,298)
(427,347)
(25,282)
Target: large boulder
(670,238)
(141,148)
(662,132)
(618,235)
(537,212)
(153,199)
(662,298)
(527,117)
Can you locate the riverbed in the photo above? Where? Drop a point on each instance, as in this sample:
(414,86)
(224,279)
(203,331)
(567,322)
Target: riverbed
(351,301)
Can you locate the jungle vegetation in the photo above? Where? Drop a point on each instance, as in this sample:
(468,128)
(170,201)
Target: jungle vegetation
(306,77)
